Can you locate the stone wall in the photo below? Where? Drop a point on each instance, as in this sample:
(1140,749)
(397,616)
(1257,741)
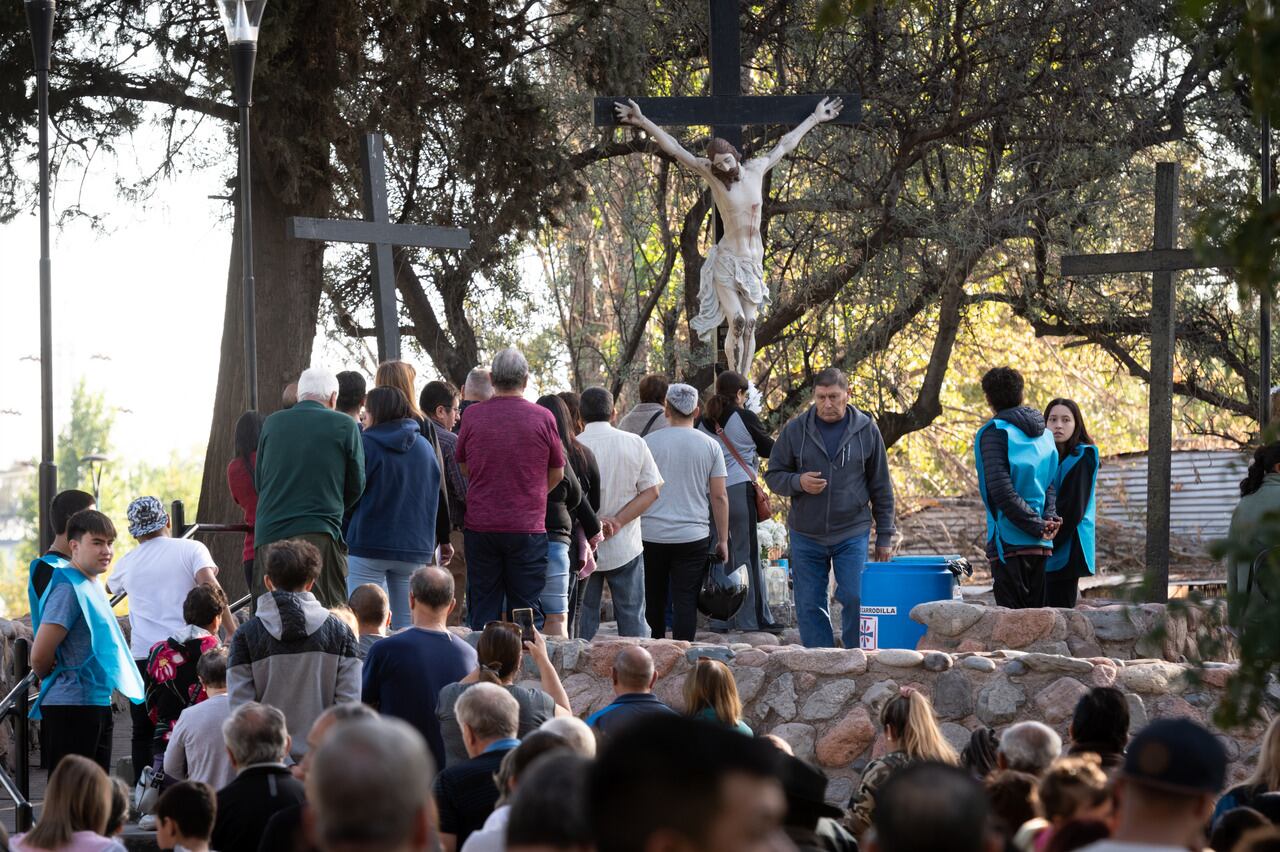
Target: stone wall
(826,702)
(1120,631)
(10,631)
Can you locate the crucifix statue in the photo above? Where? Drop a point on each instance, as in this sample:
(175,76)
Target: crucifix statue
(381,234)
(732,287)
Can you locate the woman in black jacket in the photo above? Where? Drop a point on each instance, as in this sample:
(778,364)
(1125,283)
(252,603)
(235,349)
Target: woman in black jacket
(738,430)
(1075,486)
(568,504)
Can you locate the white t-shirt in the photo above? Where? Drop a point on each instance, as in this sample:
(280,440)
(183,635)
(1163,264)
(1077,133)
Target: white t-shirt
(687,459)
(157,574)
(626,469)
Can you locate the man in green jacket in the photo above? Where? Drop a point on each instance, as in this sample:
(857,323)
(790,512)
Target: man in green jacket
(310,471)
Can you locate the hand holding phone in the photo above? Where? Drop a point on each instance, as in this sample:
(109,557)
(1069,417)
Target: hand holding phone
(524,618)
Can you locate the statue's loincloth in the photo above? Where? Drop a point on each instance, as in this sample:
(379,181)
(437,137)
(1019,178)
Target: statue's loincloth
(744,275)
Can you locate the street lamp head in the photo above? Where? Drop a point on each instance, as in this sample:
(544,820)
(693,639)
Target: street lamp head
(241,19)
(40,20)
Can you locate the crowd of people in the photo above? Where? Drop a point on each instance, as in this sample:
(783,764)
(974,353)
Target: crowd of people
(344,714)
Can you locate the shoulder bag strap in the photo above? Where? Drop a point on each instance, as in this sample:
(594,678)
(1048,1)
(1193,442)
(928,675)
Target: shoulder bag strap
(649,425)
(751,474)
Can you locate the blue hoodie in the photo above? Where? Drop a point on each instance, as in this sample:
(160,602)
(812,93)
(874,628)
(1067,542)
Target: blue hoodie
(396,515)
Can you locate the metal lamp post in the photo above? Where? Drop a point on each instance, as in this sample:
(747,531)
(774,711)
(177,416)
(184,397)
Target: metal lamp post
(241,19)
(40,20)
(95,463)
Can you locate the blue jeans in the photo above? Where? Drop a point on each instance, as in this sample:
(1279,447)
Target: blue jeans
(505,571)
(555,594)
(626,584)
(811,564)
(392,575)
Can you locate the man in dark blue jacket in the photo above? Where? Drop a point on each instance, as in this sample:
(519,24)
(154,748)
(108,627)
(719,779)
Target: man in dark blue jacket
(1016,460)
(831,462)
(633,679)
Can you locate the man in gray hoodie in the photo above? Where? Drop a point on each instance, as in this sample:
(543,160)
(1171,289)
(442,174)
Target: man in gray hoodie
(293,654)
(831,462)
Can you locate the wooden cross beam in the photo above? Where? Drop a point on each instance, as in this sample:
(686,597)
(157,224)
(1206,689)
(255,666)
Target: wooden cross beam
(381,235)
(727,109)
(1162,261)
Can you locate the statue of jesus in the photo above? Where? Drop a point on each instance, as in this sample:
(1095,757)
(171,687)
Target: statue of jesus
(732,284)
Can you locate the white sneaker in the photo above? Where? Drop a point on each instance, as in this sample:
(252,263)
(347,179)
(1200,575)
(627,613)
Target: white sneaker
(147,822)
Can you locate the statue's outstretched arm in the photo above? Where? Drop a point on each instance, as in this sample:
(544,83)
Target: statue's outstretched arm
(629,113)
(826,110)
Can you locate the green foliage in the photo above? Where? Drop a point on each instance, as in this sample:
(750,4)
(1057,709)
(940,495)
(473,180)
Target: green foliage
(89,431)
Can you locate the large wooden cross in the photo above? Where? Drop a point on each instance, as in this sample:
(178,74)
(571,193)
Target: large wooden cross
(1162,261)
(381,234)
(727,109)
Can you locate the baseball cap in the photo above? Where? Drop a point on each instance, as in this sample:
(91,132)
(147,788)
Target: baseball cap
(146,515)
(805,788)
(683,398)
(1177,755)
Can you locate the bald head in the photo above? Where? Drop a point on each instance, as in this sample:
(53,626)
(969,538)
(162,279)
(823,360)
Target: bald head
(632,670)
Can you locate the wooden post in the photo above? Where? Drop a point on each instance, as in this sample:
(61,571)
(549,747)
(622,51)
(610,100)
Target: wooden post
(1160,410)
(386,317)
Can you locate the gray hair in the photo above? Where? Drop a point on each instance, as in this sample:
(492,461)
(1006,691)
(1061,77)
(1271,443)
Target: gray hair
(577,735)
(1030,747)
(256,733)
(432,586)
(478,385)
(510,370)
(370,785)
(317,383)
(489,711)
(832,377)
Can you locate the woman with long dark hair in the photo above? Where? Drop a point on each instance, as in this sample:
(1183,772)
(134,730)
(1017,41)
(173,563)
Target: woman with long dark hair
(568,508)
(1250,535)
(1076,485)
(743,441)
(391,532)
(241,483)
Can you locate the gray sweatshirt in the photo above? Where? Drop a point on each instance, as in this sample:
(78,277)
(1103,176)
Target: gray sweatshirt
(858,483)
(294,656)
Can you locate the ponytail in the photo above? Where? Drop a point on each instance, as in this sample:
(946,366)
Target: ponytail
(915,727)
(1265,460)
(725,398)
(490,672)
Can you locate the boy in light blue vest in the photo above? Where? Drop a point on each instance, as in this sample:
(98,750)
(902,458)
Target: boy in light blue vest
(79,652)
(1016,460)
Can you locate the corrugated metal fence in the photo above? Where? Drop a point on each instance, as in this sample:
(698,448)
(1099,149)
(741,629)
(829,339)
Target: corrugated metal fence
(1206,488)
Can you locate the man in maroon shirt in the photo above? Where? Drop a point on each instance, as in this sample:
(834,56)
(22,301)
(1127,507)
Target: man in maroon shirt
(511,454)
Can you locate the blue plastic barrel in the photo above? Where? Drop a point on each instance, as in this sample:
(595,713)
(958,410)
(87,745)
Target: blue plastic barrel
(891,589)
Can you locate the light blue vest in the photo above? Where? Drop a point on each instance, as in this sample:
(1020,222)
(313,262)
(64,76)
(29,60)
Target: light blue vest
(110,650)
(1086,530)
(1032,464)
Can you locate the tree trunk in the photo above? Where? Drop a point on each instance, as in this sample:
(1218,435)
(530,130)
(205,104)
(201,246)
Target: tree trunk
(288,275)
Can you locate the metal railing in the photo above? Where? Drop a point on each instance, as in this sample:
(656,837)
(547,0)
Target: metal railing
(18,704)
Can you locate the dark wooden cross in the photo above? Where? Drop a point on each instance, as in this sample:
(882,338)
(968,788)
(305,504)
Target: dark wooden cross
(727,109)
(1162,261)
(381,234)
